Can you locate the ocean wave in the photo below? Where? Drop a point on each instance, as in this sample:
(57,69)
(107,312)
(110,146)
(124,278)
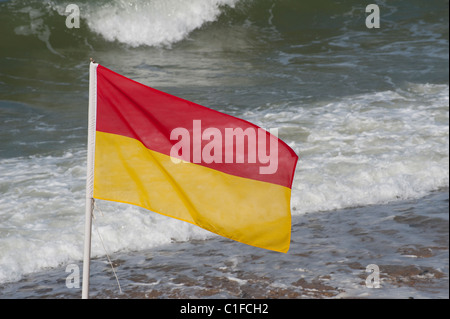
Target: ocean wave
(133,23)
(165,22)
(152,23)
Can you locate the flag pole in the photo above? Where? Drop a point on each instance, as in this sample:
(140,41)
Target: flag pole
(89,176)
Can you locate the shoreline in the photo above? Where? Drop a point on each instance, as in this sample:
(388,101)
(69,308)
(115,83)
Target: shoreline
(407,240)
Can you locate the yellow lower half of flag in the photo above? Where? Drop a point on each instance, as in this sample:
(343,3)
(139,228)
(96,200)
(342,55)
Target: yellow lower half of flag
(246,210)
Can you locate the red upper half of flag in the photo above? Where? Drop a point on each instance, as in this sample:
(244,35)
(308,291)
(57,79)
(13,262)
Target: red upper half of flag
(128,108)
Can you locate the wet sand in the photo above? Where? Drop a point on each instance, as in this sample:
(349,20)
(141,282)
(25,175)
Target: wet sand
(407,240)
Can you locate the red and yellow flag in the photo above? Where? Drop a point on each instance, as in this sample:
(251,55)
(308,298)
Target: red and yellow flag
(189,162)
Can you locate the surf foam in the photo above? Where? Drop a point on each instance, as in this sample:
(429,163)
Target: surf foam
(152,23)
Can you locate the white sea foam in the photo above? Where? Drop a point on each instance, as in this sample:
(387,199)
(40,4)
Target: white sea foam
(371,148)
(152,23)
(42,217)
(365,149)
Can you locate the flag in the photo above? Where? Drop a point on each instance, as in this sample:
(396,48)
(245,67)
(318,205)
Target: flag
(183,160)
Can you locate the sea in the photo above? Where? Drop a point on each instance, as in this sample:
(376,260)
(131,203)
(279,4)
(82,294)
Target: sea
(365,105)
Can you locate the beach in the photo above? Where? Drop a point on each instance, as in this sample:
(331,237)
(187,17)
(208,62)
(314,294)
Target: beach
(365,109)
(407,240)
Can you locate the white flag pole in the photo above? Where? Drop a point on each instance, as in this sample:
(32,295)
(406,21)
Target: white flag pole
(90,176)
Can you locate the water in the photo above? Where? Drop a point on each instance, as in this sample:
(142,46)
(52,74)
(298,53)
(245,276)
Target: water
(367,110)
